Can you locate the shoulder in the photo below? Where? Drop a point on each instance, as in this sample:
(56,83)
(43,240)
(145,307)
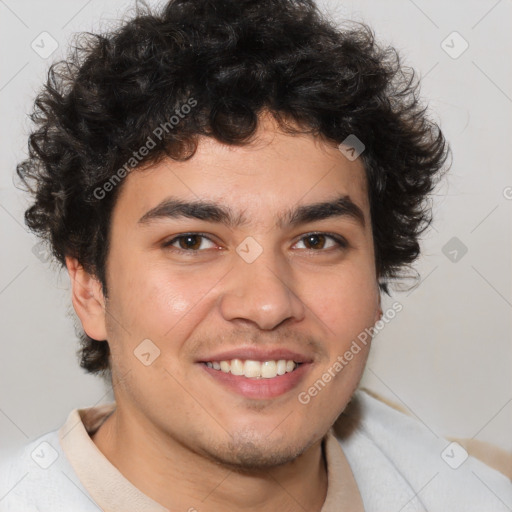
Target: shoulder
(38,477)
(398,460)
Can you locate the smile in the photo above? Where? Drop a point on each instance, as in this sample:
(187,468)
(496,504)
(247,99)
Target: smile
(254,369)
(258,380)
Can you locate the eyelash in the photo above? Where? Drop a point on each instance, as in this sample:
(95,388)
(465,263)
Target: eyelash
(342,243)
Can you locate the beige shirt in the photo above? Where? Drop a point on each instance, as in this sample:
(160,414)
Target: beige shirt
(113,492)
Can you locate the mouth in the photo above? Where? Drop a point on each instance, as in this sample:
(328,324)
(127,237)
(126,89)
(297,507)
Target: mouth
(255,373)
(253,369)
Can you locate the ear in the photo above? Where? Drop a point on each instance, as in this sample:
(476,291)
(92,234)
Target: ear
(88,300)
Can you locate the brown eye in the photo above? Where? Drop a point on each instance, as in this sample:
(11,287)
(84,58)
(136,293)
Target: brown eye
(315,241)
(318,241)
(189,242)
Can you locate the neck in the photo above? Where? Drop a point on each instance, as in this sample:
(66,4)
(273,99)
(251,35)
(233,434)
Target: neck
(167,472)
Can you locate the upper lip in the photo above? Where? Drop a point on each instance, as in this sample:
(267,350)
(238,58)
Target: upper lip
(258,354)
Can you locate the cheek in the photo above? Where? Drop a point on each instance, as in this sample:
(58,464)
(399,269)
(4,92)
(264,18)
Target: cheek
(345,300)
(155,299)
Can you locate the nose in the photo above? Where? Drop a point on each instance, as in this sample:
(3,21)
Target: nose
(261,292)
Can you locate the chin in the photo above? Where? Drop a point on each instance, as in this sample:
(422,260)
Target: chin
(243,454)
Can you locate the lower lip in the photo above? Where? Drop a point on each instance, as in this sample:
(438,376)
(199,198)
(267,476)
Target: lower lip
(260,388)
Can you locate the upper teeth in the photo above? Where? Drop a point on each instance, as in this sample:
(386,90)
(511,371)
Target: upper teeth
(254,369)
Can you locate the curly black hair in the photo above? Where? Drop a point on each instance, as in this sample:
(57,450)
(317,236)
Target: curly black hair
(232,60)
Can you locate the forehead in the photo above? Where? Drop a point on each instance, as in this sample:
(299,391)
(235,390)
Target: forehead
(255,183)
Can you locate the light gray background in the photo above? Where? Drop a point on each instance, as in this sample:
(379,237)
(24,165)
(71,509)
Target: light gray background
(446,356)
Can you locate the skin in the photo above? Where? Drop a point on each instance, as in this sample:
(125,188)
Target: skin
(173,421)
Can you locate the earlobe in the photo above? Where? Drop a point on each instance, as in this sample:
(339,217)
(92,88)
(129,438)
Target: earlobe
(88,299)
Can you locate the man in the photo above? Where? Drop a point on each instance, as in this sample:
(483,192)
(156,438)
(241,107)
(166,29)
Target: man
(230,185)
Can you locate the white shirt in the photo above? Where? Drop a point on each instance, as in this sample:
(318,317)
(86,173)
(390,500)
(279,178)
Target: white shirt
(376,457)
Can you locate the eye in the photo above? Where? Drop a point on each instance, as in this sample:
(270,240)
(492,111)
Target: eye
(188,242)
(193,242)
(317,241)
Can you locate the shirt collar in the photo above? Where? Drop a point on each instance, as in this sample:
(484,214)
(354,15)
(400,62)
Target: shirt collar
(113,492)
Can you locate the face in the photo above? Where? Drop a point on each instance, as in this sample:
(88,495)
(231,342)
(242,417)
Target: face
(253,282)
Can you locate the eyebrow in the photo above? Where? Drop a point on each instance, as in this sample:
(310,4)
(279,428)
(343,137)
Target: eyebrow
(173,208)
